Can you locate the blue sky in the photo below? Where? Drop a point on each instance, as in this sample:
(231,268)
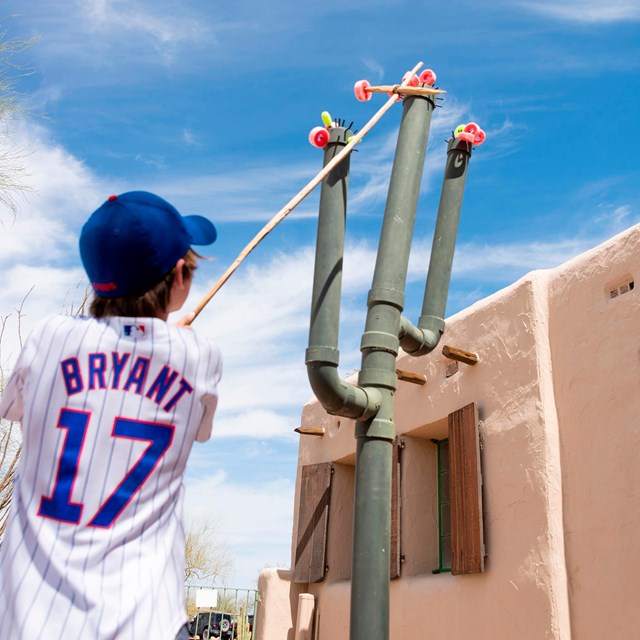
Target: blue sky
(209,104)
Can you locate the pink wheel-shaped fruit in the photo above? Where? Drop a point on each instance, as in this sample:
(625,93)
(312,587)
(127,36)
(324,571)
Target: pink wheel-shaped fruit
(476,132)
(414,82)
(318,137)
(360,89)
(428,77)
(480,137)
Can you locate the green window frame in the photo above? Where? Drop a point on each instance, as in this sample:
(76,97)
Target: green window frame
(444,507)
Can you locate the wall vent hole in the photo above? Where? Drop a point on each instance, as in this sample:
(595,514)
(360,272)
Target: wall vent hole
(623,288)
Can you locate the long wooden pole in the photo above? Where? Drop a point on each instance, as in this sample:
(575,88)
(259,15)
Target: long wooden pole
(405,91)
(295,201)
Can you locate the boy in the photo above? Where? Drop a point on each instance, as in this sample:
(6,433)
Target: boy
(110,406)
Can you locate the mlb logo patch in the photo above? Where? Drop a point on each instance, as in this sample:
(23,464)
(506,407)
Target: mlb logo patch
(134,330)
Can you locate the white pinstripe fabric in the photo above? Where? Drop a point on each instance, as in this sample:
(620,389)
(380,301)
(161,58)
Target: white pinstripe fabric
(125,580)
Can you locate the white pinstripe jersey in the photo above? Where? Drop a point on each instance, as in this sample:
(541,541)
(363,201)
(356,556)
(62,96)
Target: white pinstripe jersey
(109,408)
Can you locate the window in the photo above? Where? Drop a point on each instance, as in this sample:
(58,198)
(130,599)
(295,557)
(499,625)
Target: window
(444,507)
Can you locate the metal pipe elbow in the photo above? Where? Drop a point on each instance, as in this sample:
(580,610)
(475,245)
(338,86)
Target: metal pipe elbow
(423,339)
(341,398)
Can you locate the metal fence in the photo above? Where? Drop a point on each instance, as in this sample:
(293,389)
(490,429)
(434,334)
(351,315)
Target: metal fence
(221,612)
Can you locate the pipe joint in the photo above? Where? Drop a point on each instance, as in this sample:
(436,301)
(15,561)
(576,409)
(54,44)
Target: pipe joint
(379,341)
(325,355)
(371,378)
(383,295)
(378,428)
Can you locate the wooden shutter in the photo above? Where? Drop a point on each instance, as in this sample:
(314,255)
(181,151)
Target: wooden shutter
(394,570)
(467,541)
(313,520)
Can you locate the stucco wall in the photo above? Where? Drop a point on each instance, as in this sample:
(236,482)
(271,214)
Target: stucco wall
(595,347)
(557,391)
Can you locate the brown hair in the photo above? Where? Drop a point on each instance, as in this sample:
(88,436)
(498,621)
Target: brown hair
(149,303)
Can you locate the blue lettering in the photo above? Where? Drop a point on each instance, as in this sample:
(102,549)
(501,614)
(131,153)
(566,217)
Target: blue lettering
(161,384)
(185,387)
(118,366)
(97,368)
(72,376)
(137,375)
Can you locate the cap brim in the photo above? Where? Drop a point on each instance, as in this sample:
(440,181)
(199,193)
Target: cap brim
(201,229)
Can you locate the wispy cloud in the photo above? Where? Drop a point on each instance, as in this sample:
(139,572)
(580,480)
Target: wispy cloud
(164,28)
(257,192)
(190,138)
(588,11)
(375,68)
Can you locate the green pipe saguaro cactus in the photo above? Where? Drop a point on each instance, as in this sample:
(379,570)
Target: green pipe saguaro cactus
(371,401)
(424,338)
(379,346)
(322,357)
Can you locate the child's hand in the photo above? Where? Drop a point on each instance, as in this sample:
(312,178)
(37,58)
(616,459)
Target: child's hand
(186,320)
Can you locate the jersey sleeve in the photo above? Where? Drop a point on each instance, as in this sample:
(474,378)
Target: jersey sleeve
(210,398)
(12,400)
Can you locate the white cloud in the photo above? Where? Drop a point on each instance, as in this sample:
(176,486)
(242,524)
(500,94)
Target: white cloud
(258,423)
(119,15)
(38,249)
(254,520)
(588,11)
(491,262)
(62,186)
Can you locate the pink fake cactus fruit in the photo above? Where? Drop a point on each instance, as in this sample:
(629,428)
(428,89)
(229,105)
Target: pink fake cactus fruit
(414,82)
(479,136)
(360,90)
(470,133)
(428,77)
(318,137)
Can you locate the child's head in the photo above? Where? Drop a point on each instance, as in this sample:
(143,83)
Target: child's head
(135,248)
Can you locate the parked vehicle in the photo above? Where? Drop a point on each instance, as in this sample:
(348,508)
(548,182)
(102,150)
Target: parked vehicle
(215,624)
(212,624)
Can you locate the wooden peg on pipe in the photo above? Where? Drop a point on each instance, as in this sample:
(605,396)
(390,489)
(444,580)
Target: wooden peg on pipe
(310,431)
(453,353)
(409,376)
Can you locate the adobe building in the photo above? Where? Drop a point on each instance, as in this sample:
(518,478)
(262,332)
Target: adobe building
(545,538)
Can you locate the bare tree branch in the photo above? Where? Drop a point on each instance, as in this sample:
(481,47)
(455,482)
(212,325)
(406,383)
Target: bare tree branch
(207,558)
(12,107)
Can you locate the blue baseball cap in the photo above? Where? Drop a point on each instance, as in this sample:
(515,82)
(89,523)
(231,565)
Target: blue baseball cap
(133,240)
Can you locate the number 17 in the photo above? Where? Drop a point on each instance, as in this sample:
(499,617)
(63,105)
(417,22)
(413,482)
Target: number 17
(59,505)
